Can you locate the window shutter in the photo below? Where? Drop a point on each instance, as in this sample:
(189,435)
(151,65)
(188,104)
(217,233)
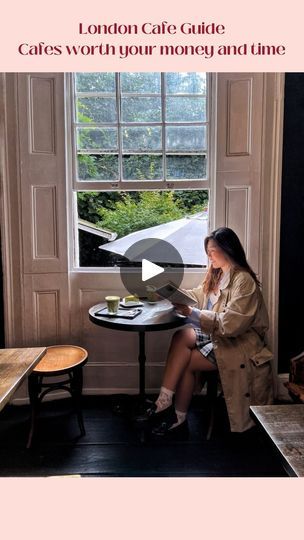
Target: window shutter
(41,120)
(238,167)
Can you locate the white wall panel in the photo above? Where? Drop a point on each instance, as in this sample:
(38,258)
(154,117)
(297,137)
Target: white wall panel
(45,231)
(46,309)
(237,212)
(239,114)
(42,114)
(41,119)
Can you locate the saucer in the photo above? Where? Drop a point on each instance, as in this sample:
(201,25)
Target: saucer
(131,304)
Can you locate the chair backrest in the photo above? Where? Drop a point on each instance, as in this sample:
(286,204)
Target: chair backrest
(296,374)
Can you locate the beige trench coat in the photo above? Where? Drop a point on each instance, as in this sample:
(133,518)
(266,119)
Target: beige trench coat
(237,325)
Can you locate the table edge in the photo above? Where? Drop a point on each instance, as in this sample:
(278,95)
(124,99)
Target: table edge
(14,388)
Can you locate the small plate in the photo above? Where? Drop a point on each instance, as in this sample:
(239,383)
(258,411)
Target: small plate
(130,304)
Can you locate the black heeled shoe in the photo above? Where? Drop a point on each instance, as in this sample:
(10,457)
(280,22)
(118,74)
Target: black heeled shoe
(165,432)
(167,415)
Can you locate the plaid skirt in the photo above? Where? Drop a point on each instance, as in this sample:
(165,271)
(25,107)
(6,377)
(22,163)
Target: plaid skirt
(205,345)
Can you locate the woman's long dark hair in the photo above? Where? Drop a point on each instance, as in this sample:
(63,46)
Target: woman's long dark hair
(229,243)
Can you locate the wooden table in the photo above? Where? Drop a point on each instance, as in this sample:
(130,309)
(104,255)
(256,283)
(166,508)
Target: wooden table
(284,424)
(15,365)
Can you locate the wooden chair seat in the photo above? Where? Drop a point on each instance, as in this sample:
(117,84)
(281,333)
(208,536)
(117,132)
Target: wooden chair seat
(61,358)
(59,361)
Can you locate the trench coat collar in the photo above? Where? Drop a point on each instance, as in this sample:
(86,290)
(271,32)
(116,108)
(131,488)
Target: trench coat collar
(225,280)
(228,277)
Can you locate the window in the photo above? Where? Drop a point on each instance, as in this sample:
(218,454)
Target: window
(135,133)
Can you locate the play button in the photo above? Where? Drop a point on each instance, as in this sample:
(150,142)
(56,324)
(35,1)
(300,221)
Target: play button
(151,262)
(150,270)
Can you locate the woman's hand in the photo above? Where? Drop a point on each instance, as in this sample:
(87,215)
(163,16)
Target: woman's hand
(183,310)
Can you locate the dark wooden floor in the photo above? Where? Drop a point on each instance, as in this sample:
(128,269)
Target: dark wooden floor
(112,447)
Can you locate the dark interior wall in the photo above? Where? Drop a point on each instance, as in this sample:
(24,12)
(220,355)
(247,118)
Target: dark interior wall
(291,303)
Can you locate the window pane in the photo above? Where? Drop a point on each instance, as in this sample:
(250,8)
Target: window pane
(96,109)
(190,138)
(141,109)
(121,137)
(141,138)
(186,109)
(95,82)
(141,83)
(97,167)
(97,139)
(142,167)
(186,83)
(113,212)
(183,167)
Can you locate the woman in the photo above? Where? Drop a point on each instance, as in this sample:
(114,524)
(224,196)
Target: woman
(227,334)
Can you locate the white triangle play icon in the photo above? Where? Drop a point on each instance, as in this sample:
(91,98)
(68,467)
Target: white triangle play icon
(149,270)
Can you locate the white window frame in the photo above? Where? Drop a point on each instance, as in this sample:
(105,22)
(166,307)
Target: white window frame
(73,185)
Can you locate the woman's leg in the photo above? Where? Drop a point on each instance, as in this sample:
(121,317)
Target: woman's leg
(179,355)
(185,387)
(178,358)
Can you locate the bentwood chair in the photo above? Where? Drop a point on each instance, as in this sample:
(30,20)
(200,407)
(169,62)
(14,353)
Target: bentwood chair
(63,364)
(211,380)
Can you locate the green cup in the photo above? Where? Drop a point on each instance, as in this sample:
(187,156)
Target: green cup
(112,304)
(151,294)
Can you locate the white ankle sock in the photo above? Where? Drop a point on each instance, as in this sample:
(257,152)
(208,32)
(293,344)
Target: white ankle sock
(181,417)
(164,399)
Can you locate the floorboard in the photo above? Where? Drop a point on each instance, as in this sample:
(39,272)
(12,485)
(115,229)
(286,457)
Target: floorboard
(112,445)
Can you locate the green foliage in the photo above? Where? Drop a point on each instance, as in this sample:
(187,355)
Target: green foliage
(192,200)
(144,167)
(127,215)
(81,113)
(95,82)
(87,166)
(99,167)
(97,146)
(90,203)
(126,212)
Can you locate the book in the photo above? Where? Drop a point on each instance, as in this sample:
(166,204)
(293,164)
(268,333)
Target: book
(171,292)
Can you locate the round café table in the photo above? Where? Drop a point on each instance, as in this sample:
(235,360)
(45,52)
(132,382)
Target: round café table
(153,318)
